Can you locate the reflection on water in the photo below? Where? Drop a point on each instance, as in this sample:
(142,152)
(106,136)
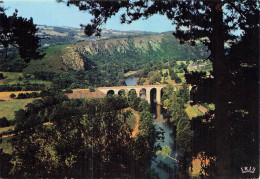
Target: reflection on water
(131,81)
(165,167)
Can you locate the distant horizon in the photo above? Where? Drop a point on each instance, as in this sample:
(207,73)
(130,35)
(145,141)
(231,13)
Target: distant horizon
(51,13)
(104,29)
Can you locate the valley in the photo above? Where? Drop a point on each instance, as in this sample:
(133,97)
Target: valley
(81,67)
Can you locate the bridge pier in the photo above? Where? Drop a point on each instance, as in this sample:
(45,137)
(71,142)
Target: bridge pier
(148,95)
(116,91)
(158,96)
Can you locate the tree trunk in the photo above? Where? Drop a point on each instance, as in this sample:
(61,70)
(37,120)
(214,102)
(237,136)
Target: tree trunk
(220,74)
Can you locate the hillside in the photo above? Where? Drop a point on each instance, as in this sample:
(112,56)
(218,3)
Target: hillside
(136,49)
(73,60)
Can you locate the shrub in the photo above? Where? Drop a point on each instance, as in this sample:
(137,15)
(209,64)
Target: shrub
(28,95)
(20,78)
(4,122)
(177,80)
(1,76)
(12,96)
(91,89)
(68,90)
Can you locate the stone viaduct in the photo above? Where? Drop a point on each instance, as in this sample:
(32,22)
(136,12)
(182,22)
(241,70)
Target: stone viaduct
(139,89)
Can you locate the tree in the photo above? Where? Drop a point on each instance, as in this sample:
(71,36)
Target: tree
(165,152)
(211,22)
(155,77)
(4,122)
(1,76)
(91,89)
(82,138)
(20,33)
(184,93)
(12,95)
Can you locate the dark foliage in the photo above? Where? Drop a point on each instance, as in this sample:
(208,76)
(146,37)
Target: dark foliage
(84,138)
(5,165)
(19,33)
(4,122)
(213,23)
(1,76)
(12,95)
(28,95)
(18,87)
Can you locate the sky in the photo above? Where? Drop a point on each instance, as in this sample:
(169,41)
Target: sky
(51,13)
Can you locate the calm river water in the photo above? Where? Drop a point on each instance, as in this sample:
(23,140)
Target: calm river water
(164,167)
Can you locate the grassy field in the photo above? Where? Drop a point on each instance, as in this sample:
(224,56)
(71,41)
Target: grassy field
(7,108)
(7,148)
(50,62)
(192,111)
(4,129)
(12,78)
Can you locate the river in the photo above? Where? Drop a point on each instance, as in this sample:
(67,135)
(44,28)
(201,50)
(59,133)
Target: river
(131,81)
(163,167)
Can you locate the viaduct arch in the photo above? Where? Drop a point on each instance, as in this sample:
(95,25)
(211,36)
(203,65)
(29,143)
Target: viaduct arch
(137,88)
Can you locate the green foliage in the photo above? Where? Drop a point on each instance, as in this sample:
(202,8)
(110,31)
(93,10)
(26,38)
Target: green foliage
(184,94)
(165,152)
(131,120)
(13,64)
(88,138)
(12,95)
(45,75)
(68,90)
(8,108)
(4,122)
(1,76)
(223,18)
(143,106)
(19,33)
(25,87)
(91,89)
(28,95)
(174,76)
(184,136)
(50,62)
(174,101)
(154,77)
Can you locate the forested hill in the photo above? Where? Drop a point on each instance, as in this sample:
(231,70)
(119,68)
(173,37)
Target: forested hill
(127,53)
(80,62)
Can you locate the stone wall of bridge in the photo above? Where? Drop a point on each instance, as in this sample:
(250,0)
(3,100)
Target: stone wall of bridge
(138,89)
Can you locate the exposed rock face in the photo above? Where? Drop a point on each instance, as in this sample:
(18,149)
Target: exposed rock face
(72,56)
(120,44)
(71,59)
(75,56)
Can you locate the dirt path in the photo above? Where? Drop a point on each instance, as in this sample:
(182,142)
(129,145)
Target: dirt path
(137,117)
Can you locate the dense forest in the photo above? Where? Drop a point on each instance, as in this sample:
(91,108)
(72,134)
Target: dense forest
(58,137)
